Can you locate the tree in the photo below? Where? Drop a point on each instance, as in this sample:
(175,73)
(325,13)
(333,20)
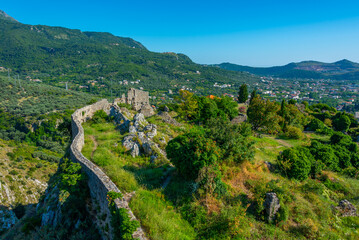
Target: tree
(191,152)
(234,142)
(243,93)
(262,114)
(253,95)
(188,105)
(342,123)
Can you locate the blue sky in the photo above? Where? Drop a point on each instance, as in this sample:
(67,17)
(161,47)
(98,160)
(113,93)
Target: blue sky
(255,33)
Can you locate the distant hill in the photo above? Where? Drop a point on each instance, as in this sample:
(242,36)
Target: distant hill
(341,70)
(57,54)
(5,16)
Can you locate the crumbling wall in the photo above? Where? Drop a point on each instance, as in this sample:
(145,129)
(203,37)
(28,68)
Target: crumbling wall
(99,183)
(137,98)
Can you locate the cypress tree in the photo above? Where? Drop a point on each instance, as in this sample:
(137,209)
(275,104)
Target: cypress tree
(243,93)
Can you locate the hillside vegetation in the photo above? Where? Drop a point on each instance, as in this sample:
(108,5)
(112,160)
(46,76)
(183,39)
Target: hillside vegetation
(214,183)
(57,55)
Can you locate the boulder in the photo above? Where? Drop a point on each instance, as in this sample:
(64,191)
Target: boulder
(147,110)
(129,141)
(135,151)
(147,148)
(166,109)
(139,121)
(150,130)
(346,208)
(132,129)
(271,205)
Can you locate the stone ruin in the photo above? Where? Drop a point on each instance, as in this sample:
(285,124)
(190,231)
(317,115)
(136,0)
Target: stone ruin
(139,100)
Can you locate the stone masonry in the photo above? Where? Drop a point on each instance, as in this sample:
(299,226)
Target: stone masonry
(139,100)
(99,183)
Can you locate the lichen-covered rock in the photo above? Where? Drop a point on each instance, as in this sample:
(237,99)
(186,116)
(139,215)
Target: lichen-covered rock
(7,219)
(147,148)
(139,121)
(135,151)
(346,208)
(150,130)
(271,206)
(129,141)
(132,129)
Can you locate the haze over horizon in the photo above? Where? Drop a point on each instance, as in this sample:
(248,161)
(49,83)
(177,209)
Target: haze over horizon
(260,33)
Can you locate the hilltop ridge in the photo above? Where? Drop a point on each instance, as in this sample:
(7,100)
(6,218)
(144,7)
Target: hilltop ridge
(340,70)
(5,16)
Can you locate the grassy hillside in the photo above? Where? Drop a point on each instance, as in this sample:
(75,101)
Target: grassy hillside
(179,211)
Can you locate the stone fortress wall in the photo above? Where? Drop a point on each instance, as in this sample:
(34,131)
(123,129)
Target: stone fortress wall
(99,183)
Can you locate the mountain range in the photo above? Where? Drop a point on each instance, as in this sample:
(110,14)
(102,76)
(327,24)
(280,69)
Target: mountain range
(340,70)
(57,54)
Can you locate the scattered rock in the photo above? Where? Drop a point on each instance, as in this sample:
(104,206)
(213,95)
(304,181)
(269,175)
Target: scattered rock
(346,209)
(271,206)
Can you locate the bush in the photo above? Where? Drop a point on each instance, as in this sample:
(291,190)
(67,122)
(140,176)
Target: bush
(191,152)
(100,117)
(326,154)
(294,132)
(296,162)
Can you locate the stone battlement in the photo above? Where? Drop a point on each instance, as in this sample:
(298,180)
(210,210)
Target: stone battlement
(99,183)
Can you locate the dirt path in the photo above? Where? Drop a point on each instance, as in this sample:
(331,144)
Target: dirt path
(95,145)
(284,143)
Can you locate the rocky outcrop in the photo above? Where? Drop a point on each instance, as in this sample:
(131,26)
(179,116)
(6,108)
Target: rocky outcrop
(346,208)
(271,206)
(7,219)
(139,141)
(99,183)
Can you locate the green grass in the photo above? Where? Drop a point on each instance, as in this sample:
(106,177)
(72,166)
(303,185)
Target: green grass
(156,215)
(159,218)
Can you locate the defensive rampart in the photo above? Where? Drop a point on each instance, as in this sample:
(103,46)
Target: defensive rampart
(99,183)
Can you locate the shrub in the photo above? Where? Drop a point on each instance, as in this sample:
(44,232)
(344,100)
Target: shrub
(341,123)
(296,162)
(326,154)
(100,117)
(191,152)
(294,132)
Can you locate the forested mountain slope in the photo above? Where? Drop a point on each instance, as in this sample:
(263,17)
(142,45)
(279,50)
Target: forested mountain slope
(56,54)
(340,70)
